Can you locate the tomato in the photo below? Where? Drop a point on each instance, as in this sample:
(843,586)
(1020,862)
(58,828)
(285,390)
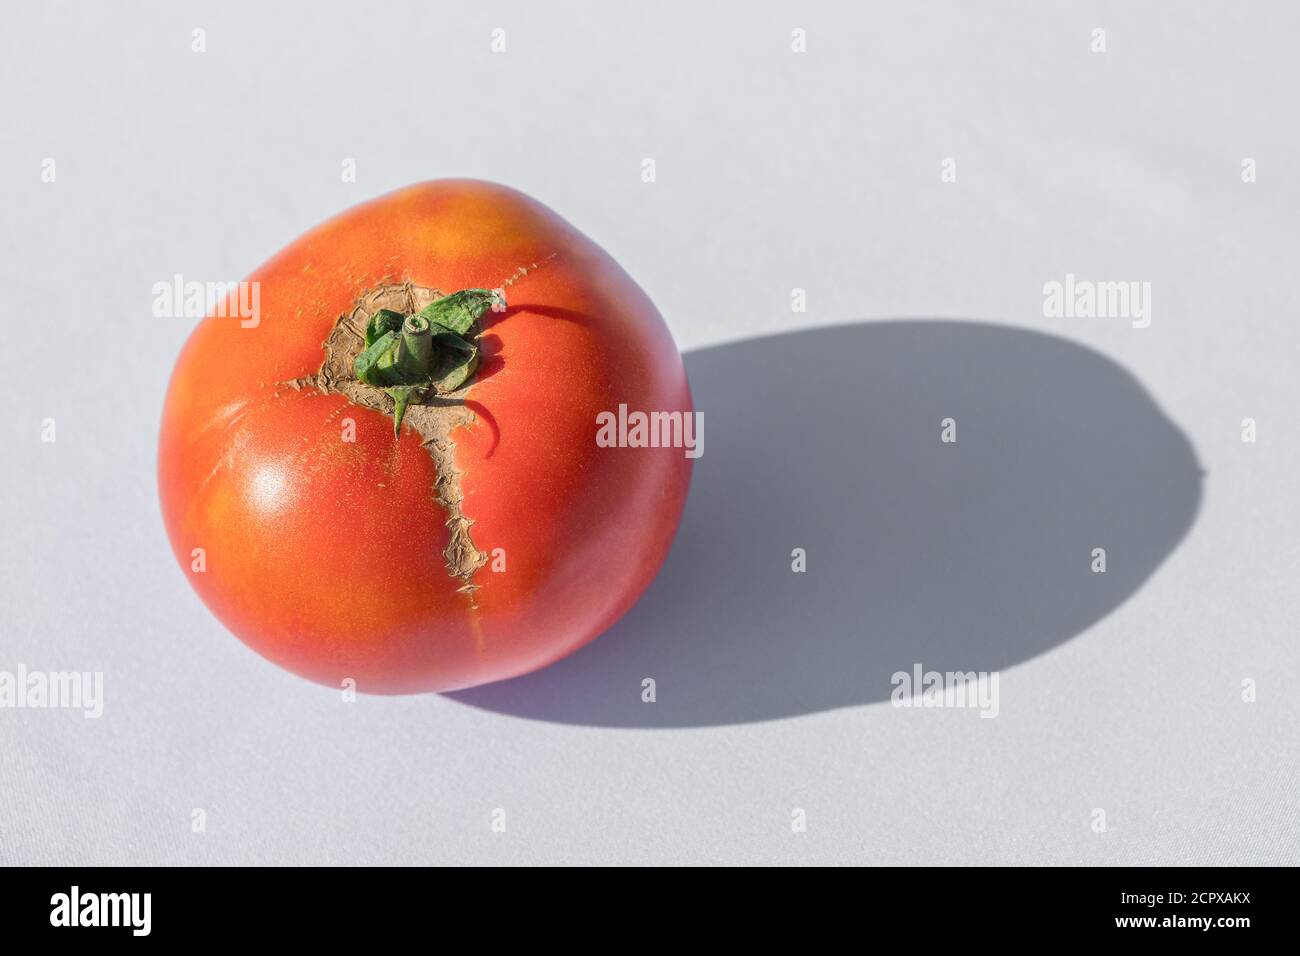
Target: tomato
(493,534)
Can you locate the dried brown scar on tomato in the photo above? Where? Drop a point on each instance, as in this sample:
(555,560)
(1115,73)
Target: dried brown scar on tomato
(434,417)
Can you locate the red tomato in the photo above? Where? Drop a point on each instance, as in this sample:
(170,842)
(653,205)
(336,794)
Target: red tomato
(338,550)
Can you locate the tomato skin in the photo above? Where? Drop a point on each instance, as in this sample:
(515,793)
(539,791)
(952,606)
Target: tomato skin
(325,555)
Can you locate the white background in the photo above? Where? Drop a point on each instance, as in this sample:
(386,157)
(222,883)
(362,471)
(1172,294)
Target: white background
(775,170)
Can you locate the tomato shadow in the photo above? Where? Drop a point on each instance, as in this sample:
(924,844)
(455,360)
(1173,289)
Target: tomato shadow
(966,556)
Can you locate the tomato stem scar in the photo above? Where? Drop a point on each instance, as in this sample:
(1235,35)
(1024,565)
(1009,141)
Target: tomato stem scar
(447,371)
(406,355)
